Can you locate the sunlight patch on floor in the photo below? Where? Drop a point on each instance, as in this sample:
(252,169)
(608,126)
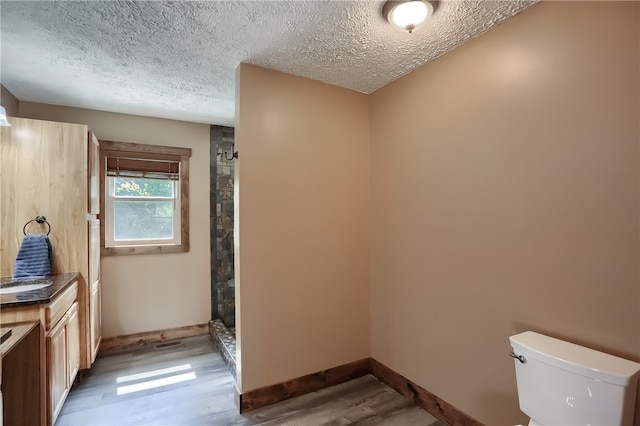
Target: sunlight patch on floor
(170,379)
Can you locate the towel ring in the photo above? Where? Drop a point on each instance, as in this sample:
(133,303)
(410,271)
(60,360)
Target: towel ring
(38,219)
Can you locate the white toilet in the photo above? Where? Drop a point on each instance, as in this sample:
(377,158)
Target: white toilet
(560,383)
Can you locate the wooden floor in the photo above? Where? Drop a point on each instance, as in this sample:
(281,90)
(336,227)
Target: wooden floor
(135,388)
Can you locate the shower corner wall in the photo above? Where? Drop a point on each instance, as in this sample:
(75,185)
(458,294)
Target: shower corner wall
(221,225)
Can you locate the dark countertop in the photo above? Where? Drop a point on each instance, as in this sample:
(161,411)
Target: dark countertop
(39,296)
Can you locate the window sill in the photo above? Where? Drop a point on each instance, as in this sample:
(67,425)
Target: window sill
(150,249)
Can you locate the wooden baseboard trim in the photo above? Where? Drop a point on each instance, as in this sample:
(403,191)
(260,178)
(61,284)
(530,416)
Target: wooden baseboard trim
(424,399)
(302,385)
(117,343)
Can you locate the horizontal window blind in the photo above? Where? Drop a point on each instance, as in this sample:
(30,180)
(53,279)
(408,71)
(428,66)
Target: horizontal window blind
(125,166)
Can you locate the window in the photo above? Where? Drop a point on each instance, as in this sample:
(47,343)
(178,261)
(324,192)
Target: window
(142,211)
(145,205)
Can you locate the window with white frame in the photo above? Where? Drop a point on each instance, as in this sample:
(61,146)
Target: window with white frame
(145,208)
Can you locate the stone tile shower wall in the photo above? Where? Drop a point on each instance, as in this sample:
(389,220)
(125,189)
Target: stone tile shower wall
(221,223)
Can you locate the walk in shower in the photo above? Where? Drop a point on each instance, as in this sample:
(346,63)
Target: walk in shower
(222,164)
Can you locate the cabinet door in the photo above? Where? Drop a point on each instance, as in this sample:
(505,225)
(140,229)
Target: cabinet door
(94,250)
(57,377)
(93,170)
(95,301)
(96,318)
(73,343)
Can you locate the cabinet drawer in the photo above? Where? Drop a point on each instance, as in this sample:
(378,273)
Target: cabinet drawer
(60,305)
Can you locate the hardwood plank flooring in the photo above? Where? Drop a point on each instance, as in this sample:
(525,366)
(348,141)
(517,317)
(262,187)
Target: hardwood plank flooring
(188,383)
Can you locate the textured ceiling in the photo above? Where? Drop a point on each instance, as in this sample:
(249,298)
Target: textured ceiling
(178,59)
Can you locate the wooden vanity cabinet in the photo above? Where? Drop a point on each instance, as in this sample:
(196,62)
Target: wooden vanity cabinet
(59,338)
(62,342)
(21,374)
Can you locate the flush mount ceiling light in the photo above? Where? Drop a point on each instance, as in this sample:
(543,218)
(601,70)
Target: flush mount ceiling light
(3,117)
(407,15)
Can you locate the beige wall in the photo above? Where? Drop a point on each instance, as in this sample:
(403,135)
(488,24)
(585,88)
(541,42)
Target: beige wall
(505,198)
(152,292)
(9,102)
(302,213)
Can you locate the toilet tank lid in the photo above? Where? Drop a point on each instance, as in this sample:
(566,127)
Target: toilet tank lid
(575,358)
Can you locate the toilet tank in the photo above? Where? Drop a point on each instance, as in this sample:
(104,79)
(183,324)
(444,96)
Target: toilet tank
(561,383)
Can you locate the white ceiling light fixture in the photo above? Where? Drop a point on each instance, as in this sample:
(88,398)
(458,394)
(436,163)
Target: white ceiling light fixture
(3,117)
(408,15)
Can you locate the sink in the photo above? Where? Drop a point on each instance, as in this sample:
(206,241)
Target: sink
(24,287)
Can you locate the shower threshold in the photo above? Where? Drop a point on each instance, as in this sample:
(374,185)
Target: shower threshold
(225,339)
